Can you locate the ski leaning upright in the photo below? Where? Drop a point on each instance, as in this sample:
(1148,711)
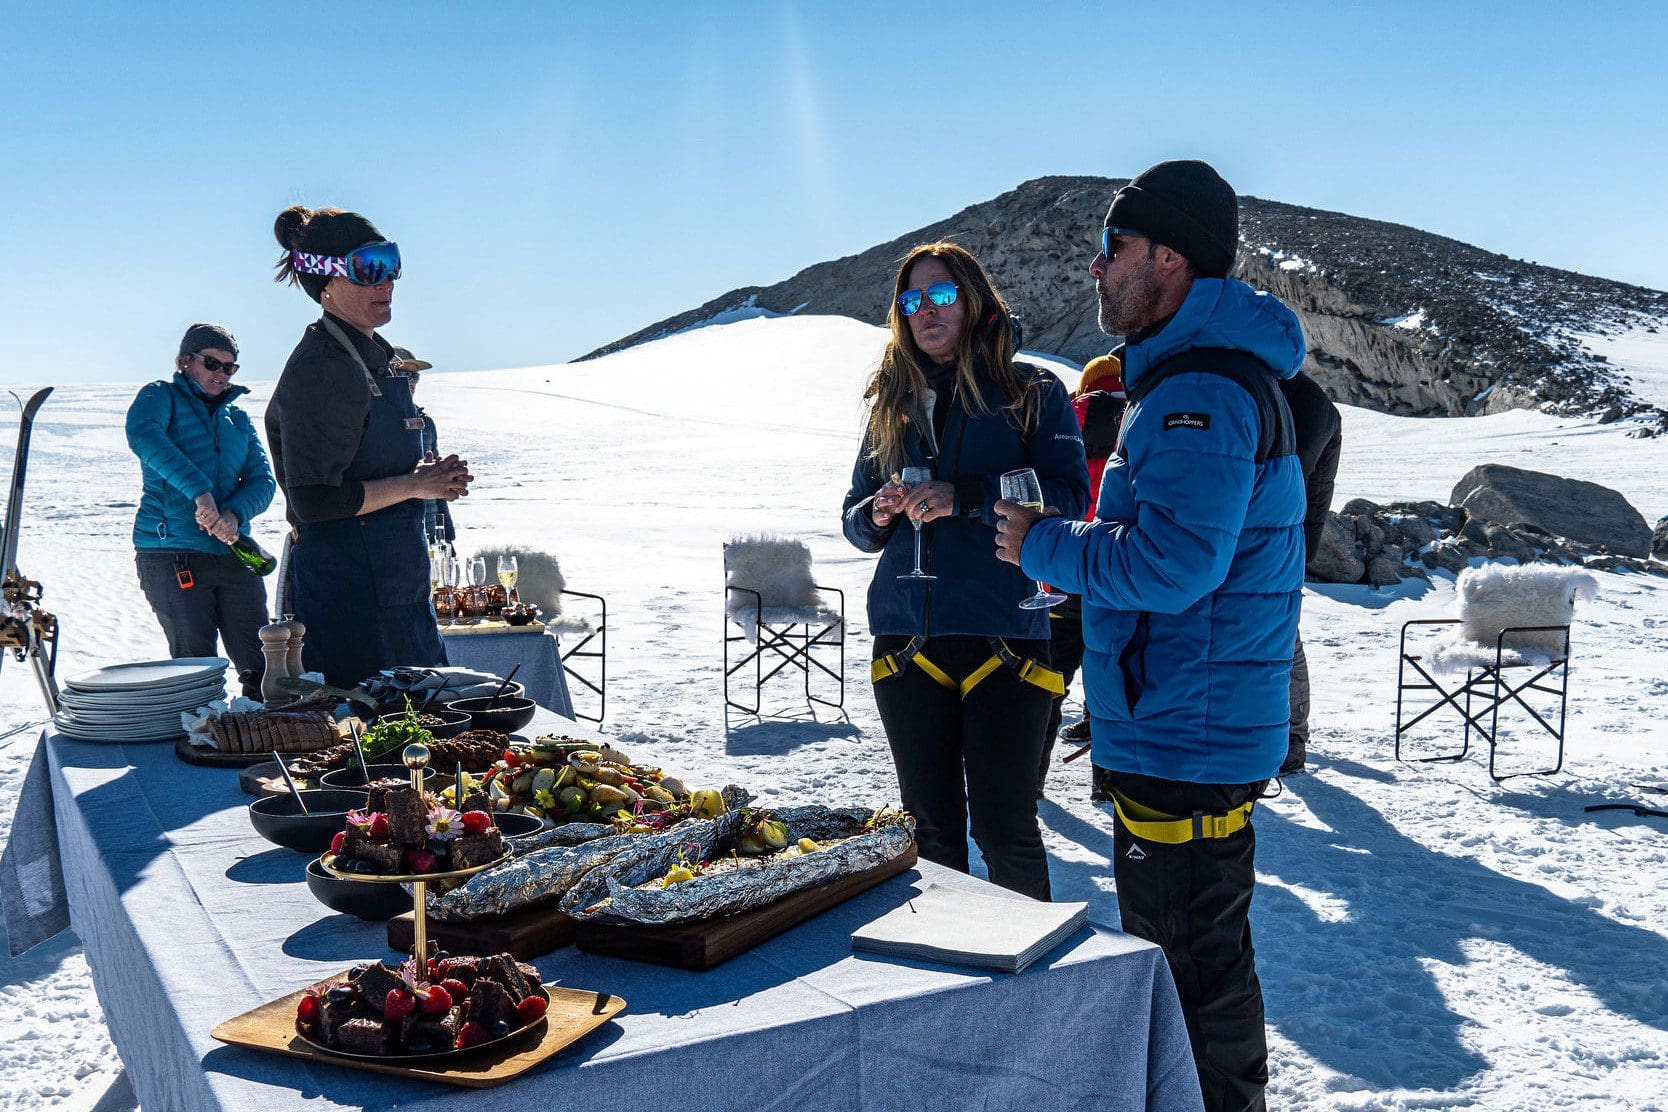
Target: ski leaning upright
(30,632)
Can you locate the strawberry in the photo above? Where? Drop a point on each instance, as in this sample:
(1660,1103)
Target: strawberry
(418,861)
(531,1008)
(455,988)
(471,1034)
(436,1001)
(307,1009)
(512,758)
(379,827)
(476,822)
(398,1004)
(337,843)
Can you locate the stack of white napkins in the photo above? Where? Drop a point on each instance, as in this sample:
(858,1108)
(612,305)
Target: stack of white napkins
(964,928)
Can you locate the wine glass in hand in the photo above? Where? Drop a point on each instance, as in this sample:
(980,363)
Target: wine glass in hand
(1022,489)
(913,477)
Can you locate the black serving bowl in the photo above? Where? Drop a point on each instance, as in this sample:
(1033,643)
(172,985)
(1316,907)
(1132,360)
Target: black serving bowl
(513,826)
(356,897)
(277,819)
(507,716)
(350,779)
(520,615)
(453,722)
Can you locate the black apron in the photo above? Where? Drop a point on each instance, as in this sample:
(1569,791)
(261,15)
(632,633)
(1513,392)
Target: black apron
(361,584)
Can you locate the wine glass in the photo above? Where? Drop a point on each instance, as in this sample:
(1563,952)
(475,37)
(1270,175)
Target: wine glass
(477,571)
(507,572)
(1022,489)
(913,477)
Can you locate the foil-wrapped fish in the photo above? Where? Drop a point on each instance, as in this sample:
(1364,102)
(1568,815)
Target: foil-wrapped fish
(652,854)
(634,893)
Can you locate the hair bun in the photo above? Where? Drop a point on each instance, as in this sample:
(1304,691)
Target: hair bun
(290,225)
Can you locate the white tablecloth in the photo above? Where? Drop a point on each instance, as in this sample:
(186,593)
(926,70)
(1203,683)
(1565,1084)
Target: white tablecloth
(538,653)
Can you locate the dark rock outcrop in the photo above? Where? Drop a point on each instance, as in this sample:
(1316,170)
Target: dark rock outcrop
(1397,320)
(1582,511)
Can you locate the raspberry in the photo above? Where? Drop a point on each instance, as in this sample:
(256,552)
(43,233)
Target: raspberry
(471,1034)
(476,822)
(435,1001)
(418,861)
(456,988)
(398,1004)
(337,843)
(531,1008)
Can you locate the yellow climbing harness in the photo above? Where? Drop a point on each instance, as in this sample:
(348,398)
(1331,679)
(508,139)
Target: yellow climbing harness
(1151,825)
(1001,657)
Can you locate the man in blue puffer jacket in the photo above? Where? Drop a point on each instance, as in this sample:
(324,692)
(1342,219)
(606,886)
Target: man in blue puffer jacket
(1191,576)
(206,477)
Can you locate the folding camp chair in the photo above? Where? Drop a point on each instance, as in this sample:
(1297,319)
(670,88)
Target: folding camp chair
(1504,660)
(771,596)
(586,633)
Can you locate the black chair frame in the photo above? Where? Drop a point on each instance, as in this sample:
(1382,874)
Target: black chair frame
(600,653)
(794,642)
(1491,684)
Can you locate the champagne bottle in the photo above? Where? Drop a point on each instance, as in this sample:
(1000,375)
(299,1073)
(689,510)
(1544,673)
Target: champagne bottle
(253,556)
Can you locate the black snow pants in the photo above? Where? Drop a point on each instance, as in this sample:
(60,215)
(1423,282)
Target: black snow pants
(1065,650)
(226,601)
(1194,901)
(975,756)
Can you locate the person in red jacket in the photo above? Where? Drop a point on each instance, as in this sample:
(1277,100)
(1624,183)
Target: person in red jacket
(1099,404)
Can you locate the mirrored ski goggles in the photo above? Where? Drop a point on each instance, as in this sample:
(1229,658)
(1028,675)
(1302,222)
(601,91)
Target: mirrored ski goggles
(370,265)
(939,293)
(1106,235)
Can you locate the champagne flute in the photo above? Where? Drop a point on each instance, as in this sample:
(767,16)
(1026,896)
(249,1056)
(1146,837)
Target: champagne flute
(507,572)
(1022,488)
(913,477)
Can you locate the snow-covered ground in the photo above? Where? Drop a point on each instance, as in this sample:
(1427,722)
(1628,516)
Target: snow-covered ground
(1640,353)
(1425,937)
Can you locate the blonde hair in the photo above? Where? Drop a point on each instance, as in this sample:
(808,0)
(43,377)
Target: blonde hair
(986,341)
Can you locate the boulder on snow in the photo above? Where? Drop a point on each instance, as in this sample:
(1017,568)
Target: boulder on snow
(1659,540)
(1335,558)
(1581,511)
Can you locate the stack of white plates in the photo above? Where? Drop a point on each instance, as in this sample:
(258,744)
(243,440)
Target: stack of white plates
(138,702)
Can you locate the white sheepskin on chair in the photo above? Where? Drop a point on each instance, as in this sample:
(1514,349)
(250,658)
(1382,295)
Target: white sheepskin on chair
(779,569)
(1500,596)
(538,581)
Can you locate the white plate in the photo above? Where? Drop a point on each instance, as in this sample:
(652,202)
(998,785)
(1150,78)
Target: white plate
(185,700)
(143,674)
(118,736)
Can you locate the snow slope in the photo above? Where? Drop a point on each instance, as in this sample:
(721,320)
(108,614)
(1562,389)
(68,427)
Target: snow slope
(1425,938)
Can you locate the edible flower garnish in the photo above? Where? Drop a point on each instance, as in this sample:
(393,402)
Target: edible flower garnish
(444,823)
(360,820)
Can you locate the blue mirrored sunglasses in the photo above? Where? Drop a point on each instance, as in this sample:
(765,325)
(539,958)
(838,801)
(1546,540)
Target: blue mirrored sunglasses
(939,293)
(1106,235)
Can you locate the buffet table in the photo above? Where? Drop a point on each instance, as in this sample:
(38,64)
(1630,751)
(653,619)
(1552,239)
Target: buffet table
(499,648)
(189,918)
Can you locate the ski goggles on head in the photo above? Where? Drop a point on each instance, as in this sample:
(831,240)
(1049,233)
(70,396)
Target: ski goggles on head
(1106,235)
(370,265)
(939,293)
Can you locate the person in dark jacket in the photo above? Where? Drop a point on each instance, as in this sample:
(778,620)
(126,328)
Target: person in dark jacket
(1098,403)
(1192,577)
(347,444)
(1320,439)
(206,478)
(960,670)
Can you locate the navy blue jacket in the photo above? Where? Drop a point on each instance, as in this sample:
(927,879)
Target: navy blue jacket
(1192,571)
(975,593)
(186,448)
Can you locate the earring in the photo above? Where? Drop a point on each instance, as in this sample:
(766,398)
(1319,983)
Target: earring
(325,294)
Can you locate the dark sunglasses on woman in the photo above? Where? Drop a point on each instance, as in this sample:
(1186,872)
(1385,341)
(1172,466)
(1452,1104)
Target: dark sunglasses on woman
(213,365)
(939,293)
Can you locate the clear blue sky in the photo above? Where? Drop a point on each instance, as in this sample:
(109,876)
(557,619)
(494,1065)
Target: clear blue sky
(558,176)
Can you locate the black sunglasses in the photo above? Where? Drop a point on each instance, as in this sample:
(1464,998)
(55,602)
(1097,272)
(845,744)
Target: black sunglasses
(210,363)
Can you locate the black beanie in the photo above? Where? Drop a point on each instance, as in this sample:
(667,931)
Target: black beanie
(1186,206)
(322,233)
(201,337)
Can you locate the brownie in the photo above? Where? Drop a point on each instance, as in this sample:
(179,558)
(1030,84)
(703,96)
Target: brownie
(487,1003)
(479,801)
(384,855)
(407,817)
(469,850)
(332,1016)
(502,969)
(375,983)
(379,799)
(531,975)
(441,1030)
(368,1036)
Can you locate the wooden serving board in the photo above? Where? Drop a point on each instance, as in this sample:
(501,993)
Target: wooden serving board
(450,630)
(700,946)
(573,1014)
(525,934)
(213,758)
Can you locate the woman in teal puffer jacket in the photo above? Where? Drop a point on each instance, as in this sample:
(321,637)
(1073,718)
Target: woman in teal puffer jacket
(206,477)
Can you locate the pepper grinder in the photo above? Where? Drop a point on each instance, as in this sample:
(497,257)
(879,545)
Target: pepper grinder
(275,642)
(298,634)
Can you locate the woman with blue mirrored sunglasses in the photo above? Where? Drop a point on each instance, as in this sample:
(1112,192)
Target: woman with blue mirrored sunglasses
(941,294)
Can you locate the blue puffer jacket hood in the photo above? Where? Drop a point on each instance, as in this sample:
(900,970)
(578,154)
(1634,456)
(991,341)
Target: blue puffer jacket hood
(1192,571)
(974,594)
(188,447)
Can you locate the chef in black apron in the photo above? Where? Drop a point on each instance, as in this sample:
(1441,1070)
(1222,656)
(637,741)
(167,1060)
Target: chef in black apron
(347,447)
